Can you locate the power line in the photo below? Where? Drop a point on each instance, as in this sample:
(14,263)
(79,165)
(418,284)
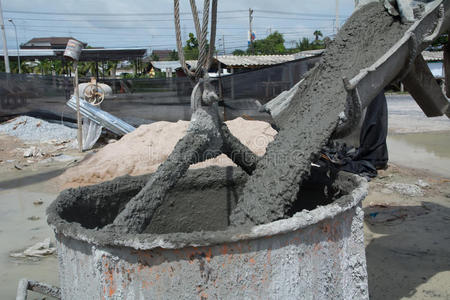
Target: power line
(115,20)
(107,14)
(297,19)
(295,13)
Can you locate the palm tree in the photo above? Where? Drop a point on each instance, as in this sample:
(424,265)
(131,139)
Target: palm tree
(317,33)
(304,44)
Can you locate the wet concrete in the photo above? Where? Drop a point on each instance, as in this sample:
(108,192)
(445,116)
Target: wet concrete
(312,115)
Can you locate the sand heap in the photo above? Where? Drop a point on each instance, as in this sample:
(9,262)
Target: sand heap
(143,150)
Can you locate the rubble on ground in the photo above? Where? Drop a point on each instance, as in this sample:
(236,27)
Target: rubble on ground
(40,249)
(30,129)
(405,189)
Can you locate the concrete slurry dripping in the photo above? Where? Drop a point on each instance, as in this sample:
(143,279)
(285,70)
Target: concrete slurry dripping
(312,115)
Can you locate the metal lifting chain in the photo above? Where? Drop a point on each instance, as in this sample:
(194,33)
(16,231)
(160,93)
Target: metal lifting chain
(205,56)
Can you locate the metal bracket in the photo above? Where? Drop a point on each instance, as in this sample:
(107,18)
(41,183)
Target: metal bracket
(42,288)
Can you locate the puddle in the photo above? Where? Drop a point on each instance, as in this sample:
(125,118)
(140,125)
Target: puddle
(429,151)
(19,230)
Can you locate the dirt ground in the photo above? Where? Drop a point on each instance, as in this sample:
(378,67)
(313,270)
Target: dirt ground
(407,237)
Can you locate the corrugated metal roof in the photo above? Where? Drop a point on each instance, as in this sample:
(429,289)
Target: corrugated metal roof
(308,53)
(86,54)
(264,60)
(174,64)
(163,65)
(433,55)
(30,52)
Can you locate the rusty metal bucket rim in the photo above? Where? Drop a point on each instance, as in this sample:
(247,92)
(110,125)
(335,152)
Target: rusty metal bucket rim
(300,220)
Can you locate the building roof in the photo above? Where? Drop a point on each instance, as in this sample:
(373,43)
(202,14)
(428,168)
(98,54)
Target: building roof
(49,42)
(433,55)
(174,64)
(164,65)
(86,54)
(264,60)
(30,53)
(162,54)
(109,54)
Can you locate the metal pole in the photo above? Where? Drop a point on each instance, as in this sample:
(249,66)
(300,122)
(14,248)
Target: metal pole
(223,44)
(337,16)
(5,48)
(447,67)
(77,96)
(17,43)
(250,18)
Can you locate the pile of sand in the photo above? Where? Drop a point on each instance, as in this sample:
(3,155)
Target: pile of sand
(141,151)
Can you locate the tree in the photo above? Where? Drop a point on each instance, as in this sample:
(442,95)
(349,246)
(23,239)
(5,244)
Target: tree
(173,55)
(154,57)
(191,49)
(440,42)
(239,52)
(272,44)
(304,44)
(317,33)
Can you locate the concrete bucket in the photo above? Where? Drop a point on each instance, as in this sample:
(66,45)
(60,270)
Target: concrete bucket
(190,252)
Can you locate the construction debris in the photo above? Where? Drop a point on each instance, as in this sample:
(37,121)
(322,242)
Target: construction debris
(31,129)
(406,189)
(101,117)
(40,249)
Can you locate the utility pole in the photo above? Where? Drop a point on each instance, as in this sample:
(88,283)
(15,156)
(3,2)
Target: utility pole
(17,43)
(250,19)
(5,48)
(337,16)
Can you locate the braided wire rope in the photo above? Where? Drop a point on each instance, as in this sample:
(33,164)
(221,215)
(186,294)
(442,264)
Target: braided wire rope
(205,55)
(176,11)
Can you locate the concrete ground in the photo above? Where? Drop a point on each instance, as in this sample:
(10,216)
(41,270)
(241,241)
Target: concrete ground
(407,237)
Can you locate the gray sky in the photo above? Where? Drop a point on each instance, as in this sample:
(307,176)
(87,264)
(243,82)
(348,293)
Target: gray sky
(149,23)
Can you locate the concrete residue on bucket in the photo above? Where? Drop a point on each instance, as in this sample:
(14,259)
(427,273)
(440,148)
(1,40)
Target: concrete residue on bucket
(189,251)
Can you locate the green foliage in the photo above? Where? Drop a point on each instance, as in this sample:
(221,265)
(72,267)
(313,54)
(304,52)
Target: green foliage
(173,55)
(272,44)
(305,44)
(317,33)
(191,49)
(154,57)
(239,52)
(86,68)
(440,41)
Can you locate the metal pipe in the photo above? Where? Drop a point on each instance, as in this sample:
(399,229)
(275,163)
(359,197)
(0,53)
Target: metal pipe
(17,44)
(73,52)
(38,287)
(77,95)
